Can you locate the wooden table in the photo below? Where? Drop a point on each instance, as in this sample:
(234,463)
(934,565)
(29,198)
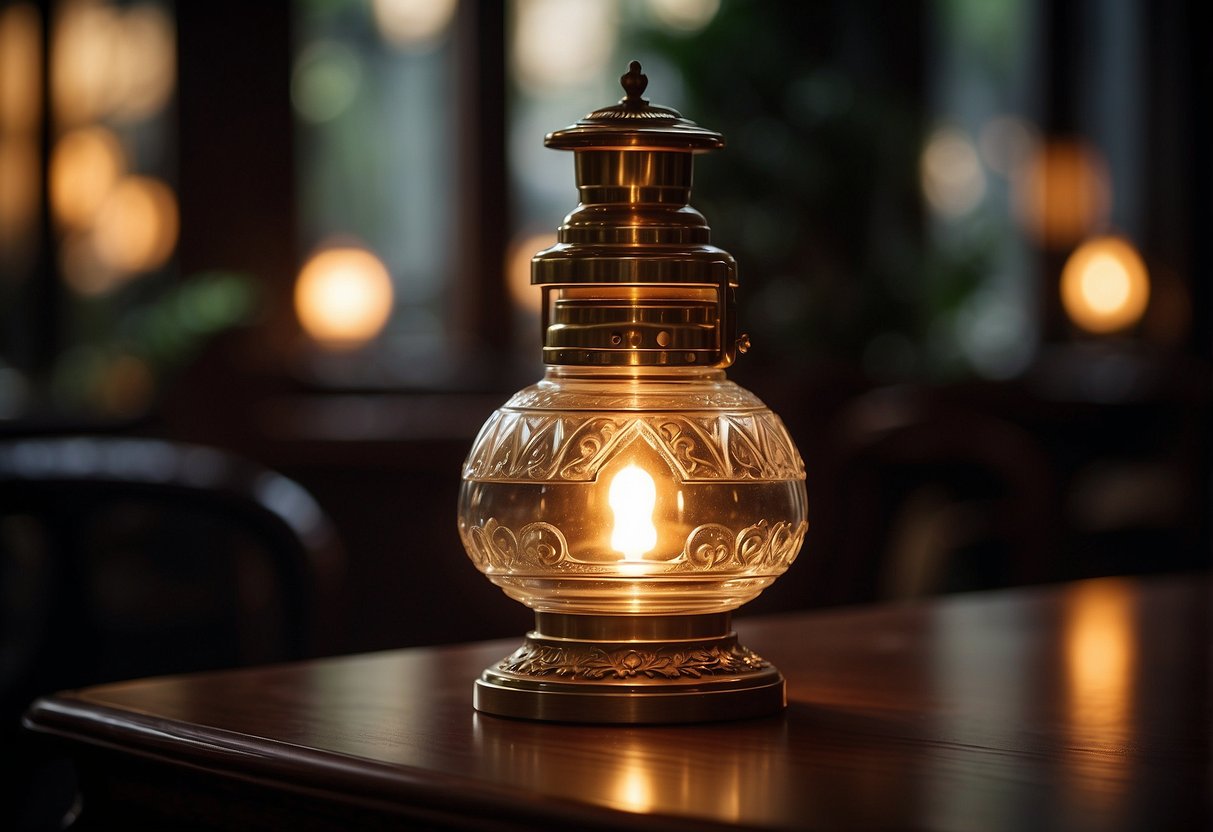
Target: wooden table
(1077,707)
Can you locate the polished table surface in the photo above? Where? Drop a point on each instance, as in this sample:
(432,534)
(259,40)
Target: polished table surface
(1084,706)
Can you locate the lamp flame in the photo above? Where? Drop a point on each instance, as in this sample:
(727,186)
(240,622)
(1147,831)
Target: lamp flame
(632,496)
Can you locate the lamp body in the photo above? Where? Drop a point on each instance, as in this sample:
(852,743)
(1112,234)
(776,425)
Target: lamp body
(625,635)
(635,496)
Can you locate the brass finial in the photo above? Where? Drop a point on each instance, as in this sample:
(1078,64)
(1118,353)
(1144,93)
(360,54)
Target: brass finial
(634,84)
(634,122)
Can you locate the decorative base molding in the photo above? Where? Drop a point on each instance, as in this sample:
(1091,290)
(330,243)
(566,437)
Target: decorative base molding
(589,661)
(631,681)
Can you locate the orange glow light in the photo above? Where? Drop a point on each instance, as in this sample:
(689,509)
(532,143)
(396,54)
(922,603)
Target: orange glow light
(18,191)
(136,228)
(1063,192)
(343,297)
(108,61)
(20,157)
(1105,286)
(20,68)
(82,55)
(144,63)
(85,166)
(1100,665)
(518,271)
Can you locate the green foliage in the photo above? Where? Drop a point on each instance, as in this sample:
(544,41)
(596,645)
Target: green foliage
(817,194)
(119,363)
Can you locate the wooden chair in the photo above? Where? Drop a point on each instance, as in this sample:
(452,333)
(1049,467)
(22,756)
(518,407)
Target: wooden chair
(937,496)
(122,558)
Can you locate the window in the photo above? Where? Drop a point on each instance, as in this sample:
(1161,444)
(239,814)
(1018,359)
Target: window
(373,87)
(92,123)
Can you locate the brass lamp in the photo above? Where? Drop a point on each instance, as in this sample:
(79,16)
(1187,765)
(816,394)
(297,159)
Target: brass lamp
(634,497)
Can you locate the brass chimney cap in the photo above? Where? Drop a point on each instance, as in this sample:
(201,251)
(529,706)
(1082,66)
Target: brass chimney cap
(635,124)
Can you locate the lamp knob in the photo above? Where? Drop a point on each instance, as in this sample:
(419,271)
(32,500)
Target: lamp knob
(634,84)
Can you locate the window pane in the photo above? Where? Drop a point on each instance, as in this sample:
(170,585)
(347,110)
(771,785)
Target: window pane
(89,328)
(373,86)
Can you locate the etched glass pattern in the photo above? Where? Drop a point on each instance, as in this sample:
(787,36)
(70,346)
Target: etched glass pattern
(730,510)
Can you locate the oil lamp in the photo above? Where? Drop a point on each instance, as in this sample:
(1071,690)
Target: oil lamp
(634,497)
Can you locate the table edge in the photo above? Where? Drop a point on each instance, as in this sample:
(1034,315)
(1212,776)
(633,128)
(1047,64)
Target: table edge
(399,790)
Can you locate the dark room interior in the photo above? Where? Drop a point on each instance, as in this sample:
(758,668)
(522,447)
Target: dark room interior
(265,271)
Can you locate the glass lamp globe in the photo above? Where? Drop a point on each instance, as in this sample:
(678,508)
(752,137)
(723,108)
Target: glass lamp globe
(635,496)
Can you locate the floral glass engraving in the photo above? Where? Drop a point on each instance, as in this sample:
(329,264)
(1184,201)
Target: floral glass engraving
(518,445)
(730,511)
(764,548)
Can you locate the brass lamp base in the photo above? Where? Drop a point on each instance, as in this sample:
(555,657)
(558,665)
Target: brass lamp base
(631,669)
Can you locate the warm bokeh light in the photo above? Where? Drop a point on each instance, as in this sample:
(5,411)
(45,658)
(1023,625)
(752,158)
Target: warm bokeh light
(632,496)
(144,70)
(413,24)
(1063,192)
(20,68)
(111,62)
(85,38)
(561,43)
(20,156)
(86,164)
(1105,286)
(952,178)
(343,297)
(523,293)
(19,196)
(632,786)
(1100,654)
(83,270)
(684,15)
(136,228)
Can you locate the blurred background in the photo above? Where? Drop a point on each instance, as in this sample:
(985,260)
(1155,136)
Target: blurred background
(264,273)
(973,238)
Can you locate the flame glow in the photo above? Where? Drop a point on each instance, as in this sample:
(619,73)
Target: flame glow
(632,497)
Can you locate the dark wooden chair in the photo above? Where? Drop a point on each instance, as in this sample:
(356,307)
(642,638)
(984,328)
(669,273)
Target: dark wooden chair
(939,497)
(123,558)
